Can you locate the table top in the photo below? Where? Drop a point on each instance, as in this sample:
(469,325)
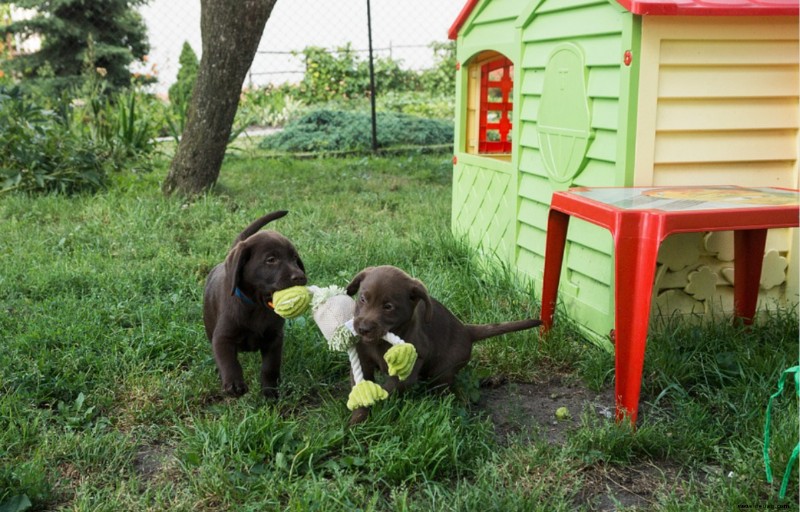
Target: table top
(689,199)
(665,210)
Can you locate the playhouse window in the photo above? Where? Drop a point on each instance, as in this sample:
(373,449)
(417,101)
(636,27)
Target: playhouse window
(491,93)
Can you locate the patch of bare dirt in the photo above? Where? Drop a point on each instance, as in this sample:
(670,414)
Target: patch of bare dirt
(520,408)
(529,409)
(151,461)
(633,487)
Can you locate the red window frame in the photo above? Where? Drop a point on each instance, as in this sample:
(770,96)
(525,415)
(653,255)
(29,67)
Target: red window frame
(504,106)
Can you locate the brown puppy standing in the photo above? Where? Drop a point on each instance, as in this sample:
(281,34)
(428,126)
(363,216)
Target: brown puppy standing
(235,311)
(389,300)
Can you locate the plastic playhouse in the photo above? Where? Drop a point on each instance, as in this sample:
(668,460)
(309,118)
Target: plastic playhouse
(553,94)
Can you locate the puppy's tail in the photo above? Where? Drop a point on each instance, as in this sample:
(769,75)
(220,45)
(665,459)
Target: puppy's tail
(483,331)
(258,224)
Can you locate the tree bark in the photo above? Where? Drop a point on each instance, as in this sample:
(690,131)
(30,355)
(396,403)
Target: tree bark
(230,32)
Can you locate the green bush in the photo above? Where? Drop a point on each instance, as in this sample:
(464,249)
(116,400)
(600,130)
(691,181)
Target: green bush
(420,104)
(268,106)
(69,146)
(343,75)
(440,80)
(181,91)
(333,130)
(40,154)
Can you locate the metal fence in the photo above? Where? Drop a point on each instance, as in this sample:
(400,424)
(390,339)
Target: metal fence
(402,30)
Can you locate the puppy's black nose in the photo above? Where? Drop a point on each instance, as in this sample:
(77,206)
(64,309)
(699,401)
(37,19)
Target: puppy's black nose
(364,328)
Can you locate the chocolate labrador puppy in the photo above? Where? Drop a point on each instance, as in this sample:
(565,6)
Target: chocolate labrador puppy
(389,300)
(235,311)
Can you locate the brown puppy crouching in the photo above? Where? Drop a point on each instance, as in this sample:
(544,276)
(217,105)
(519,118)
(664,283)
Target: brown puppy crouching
(389,300)
(235,311)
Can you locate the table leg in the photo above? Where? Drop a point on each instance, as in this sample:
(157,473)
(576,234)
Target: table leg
(557,224)
(634,270)
(748,257)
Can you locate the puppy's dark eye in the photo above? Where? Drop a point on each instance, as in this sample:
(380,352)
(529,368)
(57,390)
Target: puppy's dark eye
(362,299)
(388,306)
(271,260)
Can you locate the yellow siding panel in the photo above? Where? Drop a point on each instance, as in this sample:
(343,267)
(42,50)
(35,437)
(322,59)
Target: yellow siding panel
(727,114)
(731,146)
(746,174)
(744,81)
(716,52)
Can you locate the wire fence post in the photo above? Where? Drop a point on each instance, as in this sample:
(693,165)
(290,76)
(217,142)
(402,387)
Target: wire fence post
(372,82)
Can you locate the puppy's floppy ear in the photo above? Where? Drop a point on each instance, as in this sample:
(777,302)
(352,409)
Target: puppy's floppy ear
(418,292)
(234,264)
(354,285)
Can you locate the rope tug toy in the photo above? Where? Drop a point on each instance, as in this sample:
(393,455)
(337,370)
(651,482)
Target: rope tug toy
(333,312)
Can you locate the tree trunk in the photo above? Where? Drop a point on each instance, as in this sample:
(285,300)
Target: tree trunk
(231,32)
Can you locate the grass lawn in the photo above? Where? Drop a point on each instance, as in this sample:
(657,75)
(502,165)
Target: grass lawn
(109,398)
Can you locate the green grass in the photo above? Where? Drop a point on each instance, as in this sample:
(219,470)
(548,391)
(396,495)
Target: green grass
(109,398)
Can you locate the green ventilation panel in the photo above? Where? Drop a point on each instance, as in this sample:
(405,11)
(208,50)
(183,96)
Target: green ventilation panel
(564,120)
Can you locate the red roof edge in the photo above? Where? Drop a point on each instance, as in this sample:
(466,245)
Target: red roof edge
(678,8)
(462,17)
(712,7)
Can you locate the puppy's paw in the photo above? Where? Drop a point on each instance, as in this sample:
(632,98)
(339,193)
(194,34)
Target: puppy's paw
(235,388)
(270,393)
(359,415)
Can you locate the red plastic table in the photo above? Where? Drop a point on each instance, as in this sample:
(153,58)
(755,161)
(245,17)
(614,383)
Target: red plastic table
(639,220)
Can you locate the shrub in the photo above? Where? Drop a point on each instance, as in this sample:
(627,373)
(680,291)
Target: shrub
(420,104)
(333,130)
(37,153)
(441,78)
(268,106)
(113,32)
(343,75)
(72,146)
(180,92)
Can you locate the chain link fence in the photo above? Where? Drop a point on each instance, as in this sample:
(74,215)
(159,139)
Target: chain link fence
(402,31)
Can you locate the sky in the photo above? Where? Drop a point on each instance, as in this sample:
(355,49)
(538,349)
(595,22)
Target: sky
(407,26)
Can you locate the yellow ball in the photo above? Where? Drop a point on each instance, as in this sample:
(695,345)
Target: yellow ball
(291,302)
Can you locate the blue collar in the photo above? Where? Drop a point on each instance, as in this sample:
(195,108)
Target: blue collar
(239,293)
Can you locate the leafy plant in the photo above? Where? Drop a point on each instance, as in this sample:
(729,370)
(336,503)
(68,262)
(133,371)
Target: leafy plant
(39,154)
(71,145)
(441,78)
(269,106)
(342,74)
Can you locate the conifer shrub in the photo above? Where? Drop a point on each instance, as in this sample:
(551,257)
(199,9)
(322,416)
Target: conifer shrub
(341,131)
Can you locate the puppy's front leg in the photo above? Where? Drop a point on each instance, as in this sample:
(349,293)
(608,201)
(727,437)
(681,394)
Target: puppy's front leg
(271,356)
(230,371)
(361,414)
(391,384)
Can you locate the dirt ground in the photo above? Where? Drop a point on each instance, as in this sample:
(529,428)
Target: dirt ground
(519,409)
